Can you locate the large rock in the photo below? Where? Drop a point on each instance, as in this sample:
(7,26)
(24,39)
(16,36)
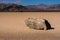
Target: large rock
(36,23)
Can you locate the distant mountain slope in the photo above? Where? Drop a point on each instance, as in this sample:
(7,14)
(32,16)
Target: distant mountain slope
(11,7)
(29,8)
(43,7)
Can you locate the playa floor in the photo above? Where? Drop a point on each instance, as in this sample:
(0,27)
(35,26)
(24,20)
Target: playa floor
(12,26)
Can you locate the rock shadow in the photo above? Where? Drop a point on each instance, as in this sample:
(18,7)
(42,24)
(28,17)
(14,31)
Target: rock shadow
(48,25)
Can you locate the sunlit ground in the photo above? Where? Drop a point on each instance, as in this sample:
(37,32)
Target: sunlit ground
(12,26)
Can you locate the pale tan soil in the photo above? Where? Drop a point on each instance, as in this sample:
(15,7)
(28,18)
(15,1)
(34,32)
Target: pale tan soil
(12,26)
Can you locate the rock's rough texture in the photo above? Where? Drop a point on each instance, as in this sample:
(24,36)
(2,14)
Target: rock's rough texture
(37,23)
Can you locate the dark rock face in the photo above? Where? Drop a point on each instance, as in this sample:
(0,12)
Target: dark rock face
(48,25)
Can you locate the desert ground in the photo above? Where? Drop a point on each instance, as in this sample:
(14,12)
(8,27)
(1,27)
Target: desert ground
(12,26)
